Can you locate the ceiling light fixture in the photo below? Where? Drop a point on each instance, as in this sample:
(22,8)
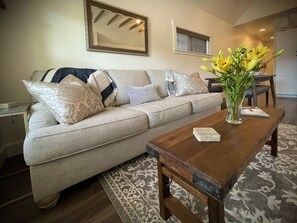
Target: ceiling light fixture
(272,37)
(262,30)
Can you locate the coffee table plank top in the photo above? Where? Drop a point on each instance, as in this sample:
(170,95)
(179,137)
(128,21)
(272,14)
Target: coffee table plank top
(215,166)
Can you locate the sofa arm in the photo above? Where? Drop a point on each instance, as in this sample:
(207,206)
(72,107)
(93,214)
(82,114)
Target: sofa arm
(40,117)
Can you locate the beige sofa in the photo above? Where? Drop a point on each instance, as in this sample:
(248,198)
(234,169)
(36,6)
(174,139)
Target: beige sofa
(60,156)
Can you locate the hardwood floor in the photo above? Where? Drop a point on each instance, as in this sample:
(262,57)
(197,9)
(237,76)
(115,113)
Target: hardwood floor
(83,202)
(289,104)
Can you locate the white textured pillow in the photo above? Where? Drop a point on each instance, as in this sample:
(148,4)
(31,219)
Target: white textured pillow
(140,95)
(188,84)
(69,101)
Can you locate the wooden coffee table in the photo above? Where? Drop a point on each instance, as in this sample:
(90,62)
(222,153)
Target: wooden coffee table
(209,170)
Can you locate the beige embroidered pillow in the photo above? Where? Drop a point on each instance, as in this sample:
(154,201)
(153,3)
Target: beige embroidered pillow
(69,101)
(188,84)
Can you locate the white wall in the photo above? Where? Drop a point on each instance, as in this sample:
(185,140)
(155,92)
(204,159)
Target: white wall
(286,67)
(42,34)
(271,66)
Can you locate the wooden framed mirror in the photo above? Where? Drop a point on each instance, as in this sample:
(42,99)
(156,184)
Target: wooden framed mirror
(111,29)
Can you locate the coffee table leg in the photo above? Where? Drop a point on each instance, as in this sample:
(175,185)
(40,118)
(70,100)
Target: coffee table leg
(215,211)
(274,143)
(164,191)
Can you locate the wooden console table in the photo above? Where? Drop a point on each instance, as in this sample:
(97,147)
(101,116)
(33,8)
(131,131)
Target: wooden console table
(209,170)
(20,109)
(258,78)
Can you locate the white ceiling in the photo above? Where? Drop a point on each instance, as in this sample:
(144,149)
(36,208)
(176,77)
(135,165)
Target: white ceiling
(251,15)
(227,10)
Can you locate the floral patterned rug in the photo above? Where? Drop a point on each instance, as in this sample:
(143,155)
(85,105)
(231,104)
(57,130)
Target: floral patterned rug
(265,192)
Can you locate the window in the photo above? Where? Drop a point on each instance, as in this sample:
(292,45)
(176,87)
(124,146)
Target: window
(191,42)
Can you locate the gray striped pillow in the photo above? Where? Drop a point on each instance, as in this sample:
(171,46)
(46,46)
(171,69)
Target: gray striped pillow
(103,86)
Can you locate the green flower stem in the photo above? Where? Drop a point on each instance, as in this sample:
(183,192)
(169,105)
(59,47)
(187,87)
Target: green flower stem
(234,102)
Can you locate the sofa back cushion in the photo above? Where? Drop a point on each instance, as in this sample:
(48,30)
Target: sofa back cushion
(40,117)
(157,77)
(125,78)
(36,76)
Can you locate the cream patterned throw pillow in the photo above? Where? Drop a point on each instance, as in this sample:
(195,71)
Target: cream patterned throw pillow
(69,101)
(188,84)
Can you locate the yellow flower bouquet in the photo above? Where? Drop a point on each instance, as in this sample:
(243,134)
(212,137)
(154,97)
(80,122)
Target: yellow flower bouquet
(236,73)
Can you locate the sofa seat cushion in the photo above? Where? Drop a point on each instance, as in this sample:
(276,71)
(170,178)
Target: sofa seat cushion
(163,111)
(200,102)
(54,142)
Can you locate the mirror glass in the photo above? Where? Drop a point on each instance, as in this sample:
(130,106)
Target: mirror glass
(111,29)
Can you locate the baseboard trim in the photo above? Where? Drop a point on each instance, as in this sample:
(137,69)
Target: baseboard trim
(14,173)
(15,200)
(286,96)
(13,149)
(3,156)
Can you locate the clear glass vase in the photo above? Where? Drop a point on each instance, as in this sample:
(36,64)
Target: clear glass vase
(234,104)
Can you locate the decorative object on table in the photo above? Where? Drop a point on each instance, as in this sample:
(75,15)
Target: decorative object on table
(206,134)
(236,72)
(258,112)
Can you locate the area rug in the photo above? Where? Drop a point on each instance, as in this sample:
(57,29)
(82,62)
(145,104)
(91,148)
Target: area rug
(265,192)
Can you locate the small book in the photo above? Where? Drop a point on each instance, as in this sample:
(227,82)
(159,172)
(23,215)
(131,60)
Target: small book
(8,104)
(206,134)
(249,111)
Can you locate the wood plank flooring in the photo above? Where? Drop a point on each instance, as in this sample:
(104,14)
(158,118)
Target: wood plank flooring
(84,202)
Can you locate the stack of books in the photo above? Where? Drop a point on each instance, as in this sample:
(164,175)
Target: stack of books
(250,111)
(8,104)
(206,134)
